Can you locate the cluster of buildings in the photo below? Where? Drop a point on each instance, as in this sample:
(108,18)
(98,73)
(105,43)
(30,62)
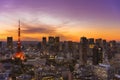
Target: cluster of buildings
(52,59)
(96,59)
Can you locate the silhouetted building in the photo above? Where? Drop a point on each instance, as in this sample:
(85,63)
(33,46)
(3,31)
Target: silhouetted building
(51,40)
(91,45)
(104,42)
(0,44)
(84,49)
(99,42)
(100,54)
(113,47)
(51,44)
(112,43)
(57,44)
(10,43)
(44,41)
(97,55)
(91,42)
(44,44)
(57,39)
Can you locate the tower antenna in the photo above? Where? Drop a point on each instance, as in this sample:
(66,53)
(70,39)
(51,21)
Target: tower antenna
(19,41)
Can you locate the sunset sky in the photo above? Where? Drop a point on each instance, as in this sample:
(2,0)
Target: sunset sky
(69,19)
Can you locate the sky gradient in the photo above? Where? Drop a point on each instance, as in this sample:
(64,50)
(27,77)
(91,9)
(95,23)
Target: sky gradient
(69,19)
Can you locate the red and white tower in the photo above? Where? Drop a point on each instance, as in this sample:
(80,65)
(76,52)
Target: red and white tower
(19,42)
(19,54)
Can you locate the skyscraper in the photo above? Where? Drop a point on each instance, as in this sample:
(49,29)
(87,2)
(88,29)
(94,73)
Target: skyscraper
(113,48)
(44,43)
(91,45)
(97,55)
(57,44)
(10,43)
(91,42)
(57,39)
(84,49)
(53,43)
(51,40)
(99,42)
(0,46)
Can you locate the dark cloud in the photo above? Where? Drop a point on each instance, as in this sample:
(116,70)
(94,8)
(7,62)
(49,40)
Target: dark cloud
(46,29)
(40,29)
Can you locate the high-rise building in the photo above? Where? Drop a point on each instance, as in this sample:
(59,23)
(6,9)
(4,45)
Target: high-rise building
(97,55)
(57,44)
(113,48)
(44,41)
(100,54)
(0,44)
(91,42)
(104,42)
(10,43)
(57,39)
(51,43)
(112,43)
(91,45)
(51,40)
(84,49)
(98,42)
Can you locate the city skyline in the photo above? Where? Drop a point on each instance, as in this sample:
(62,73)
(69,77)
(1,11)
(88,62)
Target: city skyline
(69,20)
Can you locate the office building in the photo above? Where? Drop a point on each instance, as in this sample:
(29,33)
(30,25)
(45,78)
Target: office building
(44,41)
(91,42)
(84,49)
(10,43)
(97,55)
